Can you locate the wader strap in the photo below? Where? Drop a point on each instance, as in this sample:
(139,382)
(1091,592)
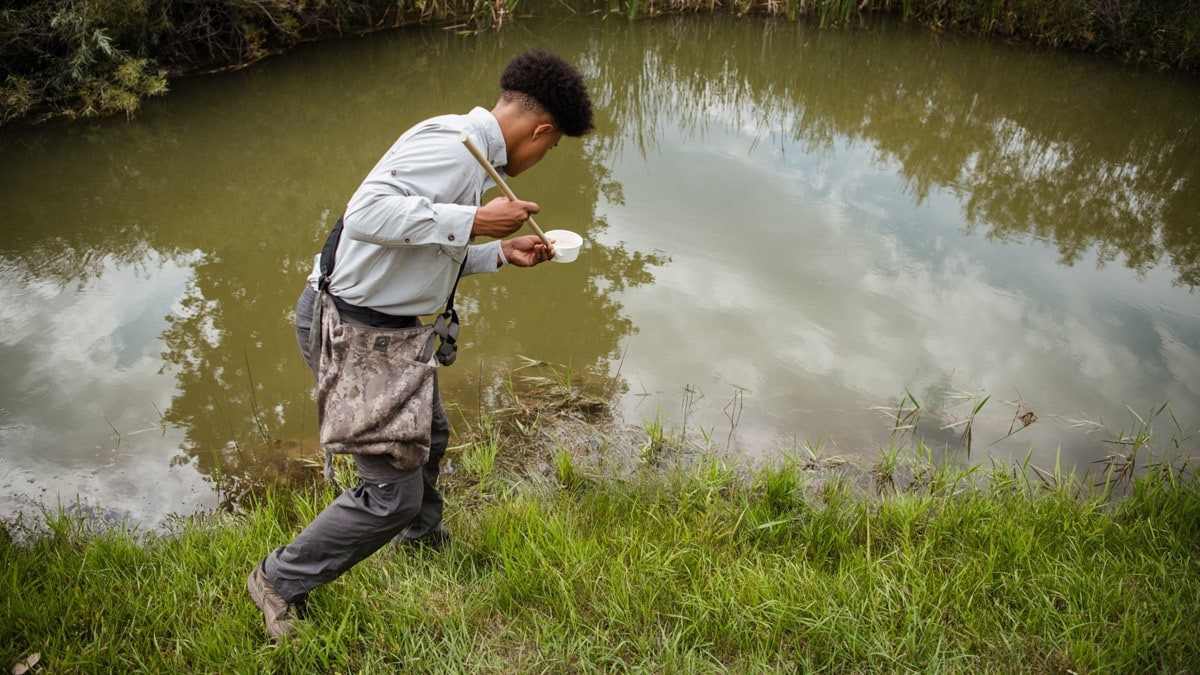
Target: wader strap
(446,325)
(329,254)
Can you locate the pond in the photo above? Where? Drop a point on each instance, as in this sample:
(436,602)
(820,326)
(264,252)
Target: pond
(794,237)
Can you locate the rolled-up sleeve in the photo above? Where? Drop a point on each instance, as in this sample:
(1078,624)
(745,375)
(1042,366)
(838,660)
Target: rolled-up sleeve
(483,258)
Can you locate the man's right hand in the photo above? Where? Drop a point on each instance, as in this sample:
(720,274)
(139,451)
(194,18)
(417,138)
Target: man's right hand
(501,217)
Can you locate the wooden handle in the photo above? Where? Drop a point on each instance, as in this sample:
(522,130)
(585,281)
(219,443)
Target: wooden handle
(496,178)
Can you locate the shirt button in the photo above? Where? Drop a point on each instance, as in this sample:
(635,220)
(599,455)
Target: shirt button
(451,237)
(407,240)
(393,172)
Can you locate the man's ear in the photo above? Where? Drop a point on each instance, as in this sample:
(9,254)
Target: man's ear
(542,129)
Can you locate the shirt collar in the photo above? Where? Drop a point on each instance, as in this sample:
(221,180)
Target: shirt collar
(493,137)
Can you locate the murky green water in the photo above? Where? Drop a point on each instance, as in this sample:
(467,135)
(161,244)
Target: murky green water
(789,231)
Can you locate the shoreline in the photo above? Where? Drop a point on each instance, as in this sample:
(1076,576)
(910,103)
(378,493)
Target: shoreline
(132,53)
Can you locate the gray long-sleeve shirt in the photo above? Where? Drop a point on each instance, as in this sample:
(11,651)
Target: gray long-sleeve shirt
(408,226)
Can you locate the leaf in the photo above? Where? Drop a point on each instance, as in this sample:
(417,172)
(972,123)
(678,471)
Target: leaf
(22,667)
(774,523)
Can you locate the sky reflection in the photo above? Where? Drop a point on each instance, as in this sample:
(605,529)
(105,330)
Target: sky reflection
(821,285)
(83,391)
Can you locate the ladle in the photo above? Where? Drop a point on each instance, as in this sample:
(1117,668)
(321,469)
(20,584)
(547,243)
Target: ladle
(496,178)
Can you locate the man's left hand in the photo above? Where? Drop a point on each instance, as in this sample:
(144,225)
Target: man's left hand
(525,251)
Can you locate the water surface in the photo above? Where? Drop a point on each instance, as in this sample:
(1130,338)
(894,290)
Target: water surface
(789,232)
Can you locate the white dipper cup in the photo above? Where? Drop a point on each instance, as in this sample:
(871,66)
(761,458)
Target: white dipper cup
(566,245)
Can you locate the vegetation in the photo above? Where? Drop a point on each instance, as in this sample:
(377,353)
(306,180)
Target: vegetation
(678,563)
(101,57)
(694,570)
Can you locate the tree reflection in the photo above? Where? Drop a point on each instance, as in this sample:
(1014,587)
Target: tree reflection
(256,197)
(1038,146)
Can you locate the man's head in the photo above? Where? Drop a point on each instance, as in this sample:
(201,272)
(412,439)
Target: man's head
(542,99)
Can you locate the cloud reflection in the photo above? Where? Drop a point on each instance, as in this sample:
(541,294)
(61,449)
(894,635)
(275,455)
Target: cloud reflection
(823,286)
(83,390)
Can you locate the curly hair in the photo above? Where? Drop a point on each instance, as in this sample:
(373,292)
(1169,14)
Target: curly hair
(553,84)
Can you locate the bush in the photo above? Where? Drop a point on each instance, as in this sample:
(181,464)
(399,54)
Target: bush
(61,58)
(101,57)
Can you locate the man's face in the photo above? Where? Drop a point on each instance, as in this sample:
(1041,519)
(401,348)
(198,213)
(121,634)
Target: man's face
(531,149)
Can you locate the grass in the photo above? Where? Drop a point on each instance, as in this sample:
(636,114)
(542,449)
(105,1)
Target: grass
(805,564)
(689,570)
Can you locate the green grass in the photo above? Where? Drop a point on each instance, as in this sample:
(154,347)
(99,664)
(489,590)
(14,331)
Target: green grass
(693,570)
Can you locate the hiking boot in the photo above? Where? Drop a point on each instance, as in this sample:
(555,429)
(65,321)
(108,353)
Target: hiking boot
(277,612)
(434,540)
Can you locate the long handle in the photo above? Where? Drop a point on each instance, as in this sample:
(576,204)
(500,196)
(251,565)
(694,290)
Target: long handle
(499,181)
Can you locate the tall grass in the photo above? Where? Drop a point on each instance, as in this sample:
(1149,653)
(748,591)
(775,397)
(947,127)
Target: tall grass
(692,570)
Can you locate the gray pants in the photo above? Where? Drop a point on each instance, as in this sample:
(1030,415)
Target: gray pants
(386,503)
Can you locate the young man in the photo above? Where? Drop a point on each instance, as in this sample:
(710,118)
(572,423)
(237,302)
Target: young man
(407,230)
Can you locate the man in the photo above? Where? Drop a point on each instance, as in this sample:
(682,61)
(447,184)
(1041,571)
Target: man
(407,230)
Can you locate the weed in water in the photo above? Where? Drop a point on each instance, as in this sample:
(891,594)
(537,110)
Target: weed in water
(1023,416)
(968,423)
(657,440)
(905,417)
(255,411)
(691,396)
(733,411)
